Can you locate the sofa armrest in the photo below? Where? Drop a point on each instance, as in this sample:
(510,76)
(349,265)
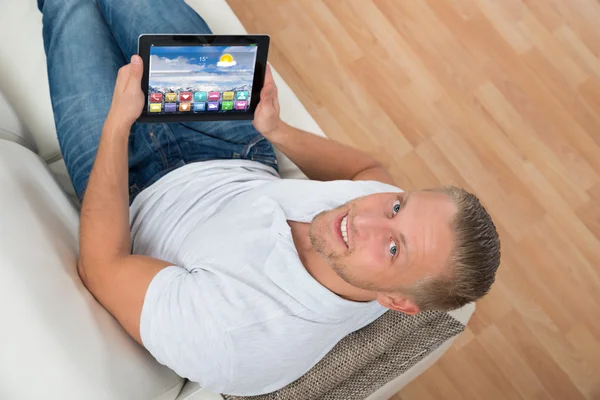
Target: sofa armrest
(56,341)
(462,315)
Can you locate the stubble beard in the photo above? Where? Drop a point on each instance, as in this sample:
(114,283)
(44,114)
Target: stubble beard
(317,233)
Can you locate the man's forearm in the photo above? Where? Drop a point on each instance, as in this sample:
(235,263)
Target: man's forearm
(104,232)
(319,158)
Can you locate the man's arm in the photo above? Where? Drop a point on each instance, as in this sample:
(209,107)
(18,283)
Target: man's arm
(324,159)
(117,279)
(319,158)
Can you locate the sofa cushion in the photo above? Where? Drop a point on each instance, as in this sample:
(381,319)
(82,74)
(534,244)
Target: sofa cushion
(23,72)
(56,341)
(11,127)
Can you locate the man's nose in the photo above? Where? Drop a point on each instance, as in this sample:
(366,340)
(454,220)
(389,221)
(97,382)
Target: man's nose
(368,226)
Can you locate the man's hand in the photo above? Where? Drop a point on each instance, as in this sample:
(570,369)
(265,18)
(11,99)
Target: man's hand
(266,117)
(128,97)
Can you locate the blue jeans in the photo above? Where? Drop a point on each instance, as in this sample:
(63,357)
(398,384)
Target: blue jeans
(86,42)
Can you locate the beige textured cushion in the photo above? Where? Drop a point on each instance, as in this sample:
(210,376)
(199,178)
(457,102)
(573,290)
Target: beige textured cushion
(367,359)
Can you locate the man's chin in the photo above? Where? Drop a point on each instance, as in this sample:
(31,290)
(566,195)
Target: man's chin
(344,272)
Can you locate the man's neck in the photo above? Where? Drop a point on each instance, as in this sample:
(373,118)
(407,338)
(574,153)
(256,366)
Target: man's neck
(320,270)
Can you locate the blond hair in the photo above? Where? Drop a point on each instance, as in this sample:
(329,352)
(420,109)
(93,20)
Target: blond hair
(473,260)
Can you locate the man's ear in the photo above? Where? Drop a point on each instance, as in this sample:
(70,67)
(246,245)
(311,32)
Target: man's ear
(398,303)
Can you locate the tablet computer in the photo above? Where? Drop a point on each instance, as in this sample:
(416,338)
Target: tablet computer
(202,77)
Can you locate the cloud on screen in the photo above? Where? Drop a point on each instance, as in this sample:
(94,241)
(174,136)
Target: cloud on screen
(204,78)
(239,49)
(172,64)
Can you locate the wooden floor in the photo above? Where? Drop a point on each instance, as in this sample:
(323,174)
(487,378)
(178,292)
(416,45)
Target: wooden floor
(503,98)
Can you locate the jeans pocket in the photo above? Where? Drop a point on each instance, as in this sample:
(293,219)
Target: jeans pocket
(262,151)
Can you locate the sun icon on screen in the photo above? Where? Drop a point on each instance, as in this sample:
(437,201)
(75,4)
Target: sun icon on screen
(226,60)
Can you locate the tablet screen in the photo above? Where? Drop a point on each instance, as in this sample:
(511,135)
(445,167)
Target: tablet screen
(200,79)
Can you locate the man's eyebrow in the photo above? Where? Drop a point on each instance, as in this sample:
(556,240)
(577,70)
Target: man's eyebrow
(404,202)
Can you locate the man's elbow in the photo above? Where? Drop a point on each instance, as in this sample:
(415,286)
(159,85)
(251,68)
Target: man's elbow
(89,270)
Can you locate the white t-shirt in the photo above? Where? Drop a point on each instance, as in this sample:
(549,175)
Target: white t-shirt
(238,312)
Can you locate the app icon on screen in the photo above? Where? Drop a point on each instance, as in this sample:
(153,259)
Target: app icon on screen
(185,107)
(241,105)
(214,96)
(243,95)
(155,97)
(199,96)
(185,96)
(227,105)
(170,107)
(155,107)
(228,95)
(199,106)
(170,97)
(213,106)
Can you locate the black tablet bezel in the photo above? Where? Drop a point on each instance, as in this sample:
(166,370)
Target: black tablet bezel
(261,41)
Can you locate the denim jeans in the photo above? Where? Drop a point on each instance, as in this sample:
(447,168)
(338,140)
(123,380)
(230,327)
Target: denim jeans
(86,42)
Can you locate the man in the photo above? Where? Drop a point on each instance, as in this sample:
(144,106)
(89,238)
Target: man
(226,273)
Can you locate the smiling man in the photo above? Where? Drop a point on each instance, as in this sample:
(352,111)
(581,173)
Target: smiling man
(223,271)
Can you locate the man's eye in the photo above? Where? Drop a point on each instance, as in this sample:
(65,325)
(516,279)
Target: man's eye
(393,249)
(396,207)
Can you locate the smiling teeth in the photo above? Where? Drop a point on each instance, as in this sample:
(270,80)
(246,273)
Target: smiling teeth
(343,229)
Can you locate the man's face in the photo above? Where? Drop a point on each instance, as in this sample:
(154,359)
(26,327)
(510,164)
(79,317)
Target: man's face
(393,239)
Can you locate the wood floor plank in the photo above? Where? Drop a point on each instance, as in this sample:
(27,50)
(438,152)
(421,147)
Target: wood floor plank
(485,375)
(508,359)
(555,381)
(437,385)
(501,97)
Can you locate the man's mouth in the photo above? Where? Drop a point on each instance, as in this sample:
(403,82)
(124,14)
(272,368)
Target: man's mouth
(344,229)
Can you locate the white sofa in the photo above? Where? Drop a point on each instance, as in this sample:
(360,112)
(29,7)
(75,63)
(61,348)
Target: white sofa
(56,341)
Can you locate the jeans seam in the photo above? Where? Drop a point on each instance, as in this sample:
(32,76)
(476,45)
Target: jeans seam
(110,30)
(180,157)
(162,153)
(257,139)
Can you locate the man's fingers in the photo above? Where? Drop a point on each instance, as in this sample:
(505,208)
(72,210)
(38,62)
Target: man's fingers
(272,94)
(269,81)
(266,92)
(122,78)
(122,74)
(268,75)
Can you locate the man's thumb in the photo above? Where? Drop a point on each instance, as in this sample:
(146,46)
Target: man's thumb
(136,71)
(137,64)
